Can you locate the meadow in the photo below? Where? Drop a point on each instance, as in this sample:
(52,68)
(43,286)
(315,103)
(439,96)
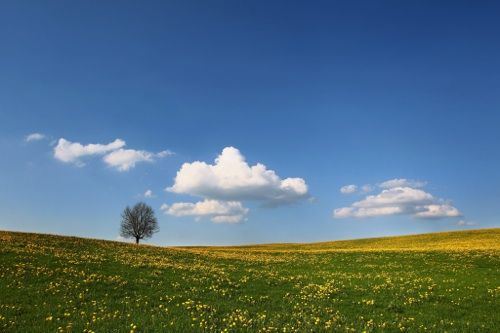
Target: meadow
(442,282)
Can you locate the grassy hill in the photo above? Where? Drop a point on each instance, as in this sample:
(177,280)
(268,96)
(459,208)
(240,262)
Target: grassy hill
(481,239)
(432,282)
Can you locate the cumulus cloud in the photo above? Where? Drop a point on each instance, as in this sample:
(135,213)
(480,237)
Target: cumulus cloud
(399,200)
(230,178)
(348,189)
(71,152)
(148,194)
(217,211)
(114,154)
(226,183)
(402,182)
(34,137)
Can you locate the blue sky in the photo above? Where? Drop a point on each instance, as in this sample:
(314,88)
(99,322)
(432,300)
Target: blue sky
(323,94)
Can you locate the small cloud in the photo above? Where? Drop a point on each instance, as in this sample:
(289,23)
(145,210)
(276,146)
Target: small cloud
(466,223)
(126,159)
(345,212)
(228,218)
(148,194)
(348,189)
(34,137)
(402,182)
(165,153)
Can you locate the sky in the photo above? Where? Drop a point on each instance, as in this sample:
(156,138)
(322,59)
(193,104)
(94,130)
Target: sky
(250,122)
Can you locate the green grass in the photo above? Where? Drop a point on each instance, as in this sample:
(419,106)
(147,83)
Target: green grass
(433,282)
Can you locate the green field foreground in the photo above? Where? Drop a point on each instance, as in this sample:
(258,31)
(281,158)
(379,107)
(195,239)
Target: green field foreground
(442,282)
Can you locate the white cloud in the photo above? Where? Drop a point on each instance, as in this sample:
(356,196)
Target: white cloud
(126,159)
(402,182)
(437,211)
(217,211)
(34,137)
(348,189)
(165,153)
(230,178)
(398,200)
(148,194)
(466,223)
(366,211)
(228,218)
(226,183)
(397,195)
(114,154)
(71,152)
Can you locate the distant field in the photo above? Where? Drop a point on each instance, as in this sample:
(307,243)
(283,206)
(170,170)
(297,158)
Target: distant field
(433,282)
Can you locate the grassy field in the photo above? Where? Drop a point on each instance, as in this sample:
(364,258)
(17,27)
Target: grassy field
(434,282)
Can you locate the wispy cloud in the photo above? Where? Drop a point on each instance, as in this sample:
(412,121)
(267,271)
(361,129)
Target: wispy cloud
(402,182)
(466,223)
(34,137)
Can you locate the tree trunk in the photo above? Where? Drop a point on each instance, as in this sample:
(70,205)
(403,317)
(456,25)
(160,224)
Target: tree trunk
(137,240)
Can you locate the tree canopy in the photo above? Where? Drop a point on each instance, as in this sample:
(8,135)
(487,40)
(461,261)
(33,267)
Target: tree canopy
(139,222)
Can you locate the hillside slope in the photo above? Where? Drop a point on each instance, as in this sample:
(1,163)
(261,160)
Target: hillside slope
(434,282)
(480,239)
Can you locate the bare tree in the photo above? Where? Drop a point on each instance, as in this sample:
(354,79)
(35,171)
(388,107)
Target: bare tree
(139,222)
